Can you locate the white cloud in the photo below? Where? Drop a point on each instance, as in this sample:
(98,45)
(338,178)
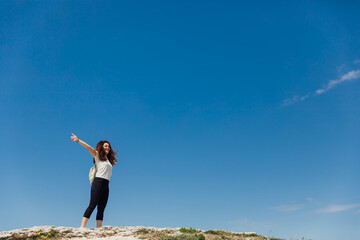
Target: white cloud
(289,101)
(288,208)
(293,100)
(351,75)
(338,208)
(356,61)
(304,97)
(332,83)
(341,68)
(312,201)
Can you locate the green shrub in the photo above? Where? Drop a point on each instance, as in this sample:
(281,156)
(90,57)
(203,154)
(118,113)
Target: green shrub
(215,232)
(200,236)
(252,235)
(142,231)
(188,230)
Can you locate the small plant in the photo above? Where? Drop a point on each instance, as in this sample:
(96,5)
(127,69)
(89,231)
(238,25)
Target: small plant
(215,232)
(45,235)
(143,231)
(200,236)
(188,230)
(253,235)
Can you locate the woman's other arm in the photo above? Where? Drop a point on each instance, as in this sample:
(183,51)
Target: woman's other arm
(84,144)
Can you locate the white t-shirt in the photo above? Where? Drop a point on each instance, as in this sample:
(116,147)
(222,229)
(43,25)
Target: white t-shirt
(104,168)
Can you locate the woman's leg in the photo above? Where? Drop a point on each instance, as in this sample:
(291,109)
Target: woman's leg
(99,223)
(84,221)
(101,207)
(94,200)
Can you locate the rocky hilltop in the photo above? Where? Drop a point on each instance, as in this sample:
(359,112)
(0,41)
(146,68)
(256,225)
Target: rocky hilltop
(126,233)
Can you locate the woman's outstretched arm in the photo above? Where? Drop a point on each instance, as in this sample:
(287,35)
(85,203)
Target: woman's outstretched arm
(87,146)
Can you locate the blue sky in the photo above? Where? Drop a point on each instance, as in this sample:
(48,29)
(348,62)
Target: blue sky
(225,114)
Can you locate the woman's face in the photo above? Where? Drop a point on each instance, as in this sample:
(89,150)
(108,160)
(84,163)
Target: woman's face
(106,147)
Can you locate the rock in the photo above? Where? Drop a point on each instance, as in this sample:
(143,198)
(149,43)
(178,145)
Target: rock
(103,233)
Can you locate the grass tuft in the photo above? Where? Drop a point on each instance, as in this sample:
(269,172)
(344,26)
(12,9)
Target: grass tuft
(52,234)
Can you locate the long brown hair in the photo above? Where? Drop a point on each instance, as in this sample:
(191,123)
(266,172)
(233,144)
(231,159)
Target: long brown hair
(102,154)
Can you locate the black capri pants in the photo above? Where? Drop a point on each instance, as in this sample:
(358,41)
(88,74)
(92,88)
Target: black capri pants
(99,198)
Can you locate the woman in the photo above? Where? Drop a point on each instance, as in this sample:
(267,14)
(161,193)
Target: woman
(104,159)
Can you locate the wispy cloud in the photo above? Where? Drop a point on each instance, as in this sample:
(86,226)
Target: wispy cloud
(341,68)
(346,77)
(309,199)
(288,208)
(293,100)
(356,61)
(351,75)
(338,208)
(312,201)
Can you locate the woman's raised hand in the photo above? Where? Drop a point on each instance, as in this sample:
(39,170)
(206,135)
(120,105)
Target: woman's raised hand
(74,138)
